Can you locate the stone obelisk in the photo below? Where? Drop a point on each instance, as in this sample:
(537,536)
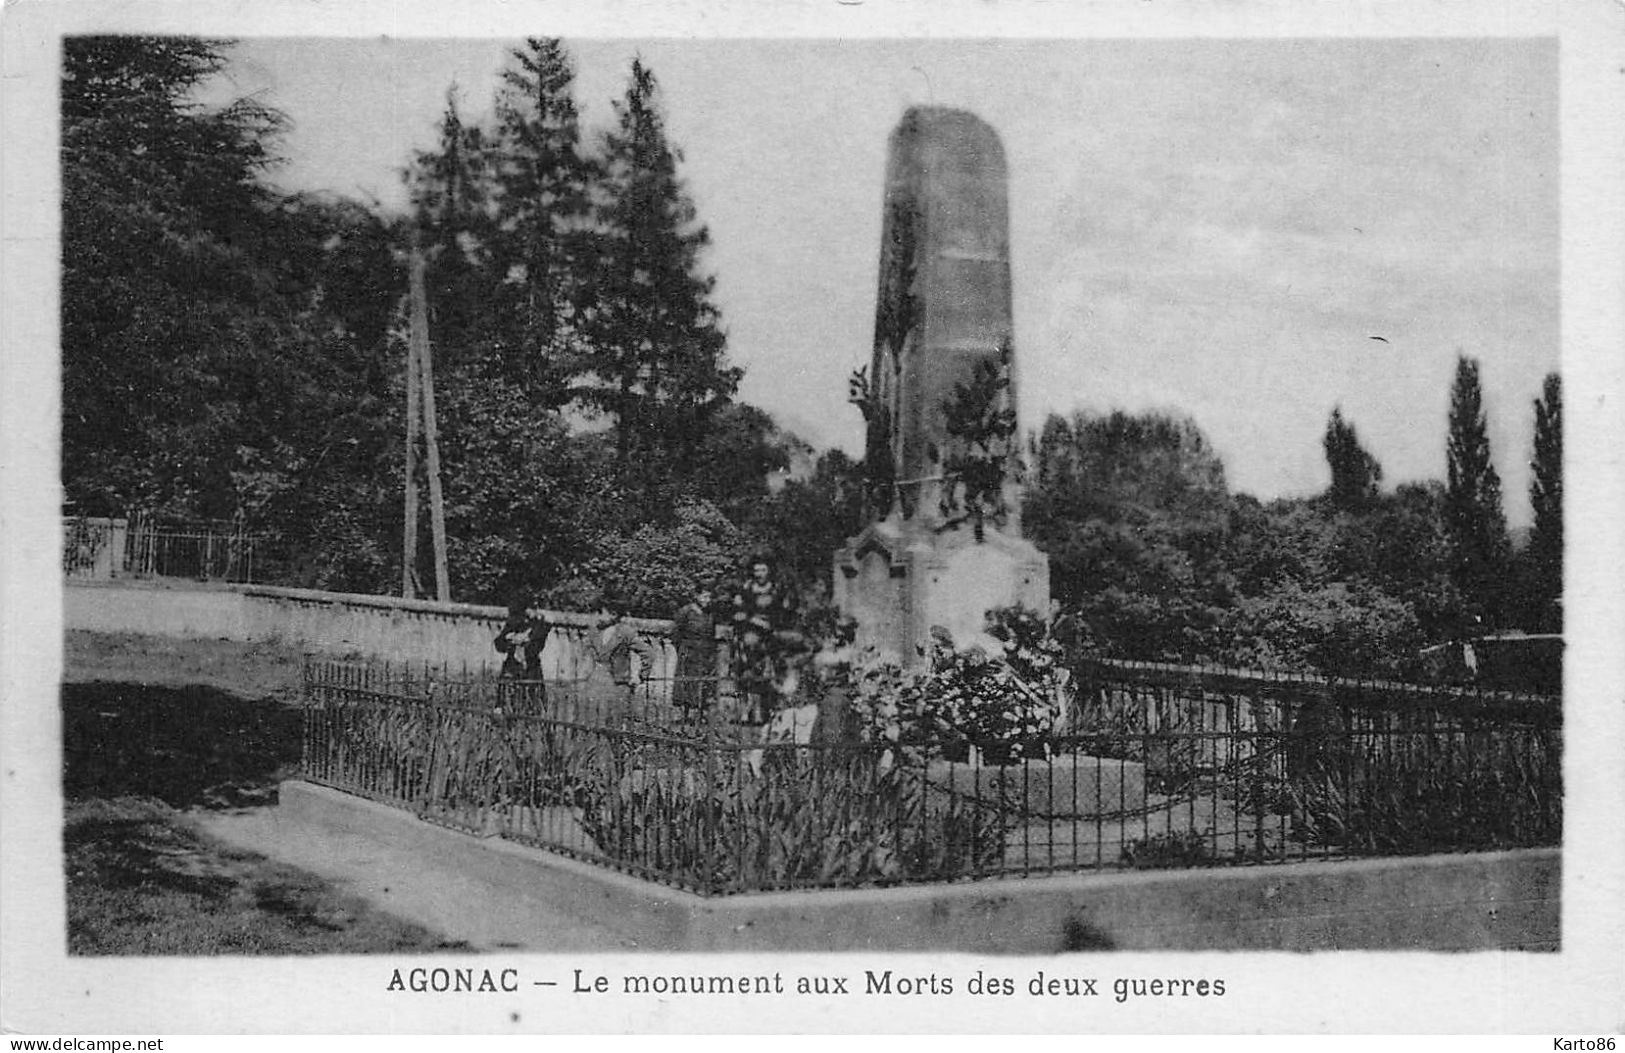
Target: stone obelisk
(943,311)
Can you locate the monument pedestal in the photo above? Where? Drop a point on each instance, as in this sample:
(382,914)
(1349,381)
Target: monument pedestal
(1067,786)
(901,577)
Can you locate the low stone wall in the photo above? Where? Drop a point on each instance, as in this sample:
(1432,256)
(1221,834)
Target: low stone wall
(382,627)
(1492,900)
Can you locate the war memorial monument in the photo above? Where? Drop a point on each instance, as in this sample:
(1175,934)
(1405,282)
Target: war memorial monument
(942,321)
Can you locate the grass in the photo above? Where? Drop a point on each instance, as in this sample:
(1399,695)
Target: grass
(142,880)
(152,731)
(250,670)
(187,747)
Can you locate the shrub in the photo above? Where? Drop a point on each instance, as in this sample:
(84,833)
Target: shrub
(1178,848)
(805,818)
(1456,788)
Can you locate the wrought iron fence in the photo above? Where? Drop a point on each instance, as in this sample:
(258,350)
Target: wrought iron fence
(201,551)
(1147,771)
(92,547)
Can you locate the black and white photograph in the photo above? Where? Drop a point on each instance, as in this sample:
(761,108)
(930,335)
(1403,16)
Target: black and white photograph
(816,520)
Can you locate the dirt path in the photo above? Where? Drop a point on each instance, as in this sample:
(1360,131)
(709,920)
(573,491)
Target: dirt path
(409,885)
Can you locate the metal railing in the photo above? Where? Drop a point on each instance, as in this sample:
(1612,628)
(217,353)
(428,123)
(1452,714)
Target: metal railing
(709,800)
(93,547)
(201,551)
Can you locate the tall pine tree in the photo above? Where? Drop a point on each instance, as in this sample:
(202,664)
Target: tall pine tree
(657,358)
(1356,475)
(1545,552)
(1477,526)
(543,244)
(452,191)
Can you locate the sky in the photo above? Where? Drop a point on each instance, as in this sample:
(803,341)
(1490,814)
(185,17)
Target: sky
(1217,228)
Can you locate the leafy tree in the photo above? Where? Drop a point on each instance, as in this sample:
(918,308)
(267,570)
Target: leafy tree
(1336,629)
(1133,512)
(221,341)
(1387,568)
(1154,559)
(1473,498)
(513,479)
(657,364)
(1544,555)
(801,525)
(1287,540)
(652,570)
(734,456)
(1405,550)
(331,508)
(1356,475)
(163,305)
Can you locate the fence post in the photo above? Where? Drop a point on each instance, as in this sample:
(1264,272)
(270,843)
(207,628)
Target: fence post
(709,826)
(305,715)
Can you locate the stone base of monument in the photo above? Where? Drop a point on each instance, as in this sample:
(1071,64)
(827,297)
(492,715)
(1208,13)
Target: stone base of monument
(1066,786)
(899,579)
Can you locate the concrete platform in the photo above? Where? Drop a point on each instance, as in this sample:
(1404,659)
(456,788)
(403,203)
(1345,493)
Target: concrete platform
(1067,786)
(525,898)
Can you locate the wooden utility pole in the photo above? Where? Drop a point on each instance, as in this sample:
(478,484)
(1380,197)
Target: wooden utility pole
(414,410)
(424,360)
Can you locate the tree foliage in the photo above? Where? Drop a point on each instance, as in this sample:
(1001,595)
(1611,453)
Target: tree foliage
(564,280)
(1478,533)
(652,569)
(1133,512)
(543,243)
(980,420)
(1154,559)
(164,300)
(1356,475)
(219,340)
(800,526)
(233,351)
(1544,555)
(657,364)
(1336,629)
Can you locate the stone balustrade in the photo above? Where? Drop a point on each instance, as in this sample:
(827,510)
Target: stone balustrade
(384,627)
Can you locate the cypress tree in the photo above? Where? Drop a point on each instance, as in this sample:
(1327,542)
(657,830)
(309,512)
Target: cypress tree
(1545,553)
(1477,526)
(1356,475)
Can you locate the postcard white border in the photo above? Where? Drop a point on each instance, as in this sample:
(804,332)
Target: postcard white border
(44,991)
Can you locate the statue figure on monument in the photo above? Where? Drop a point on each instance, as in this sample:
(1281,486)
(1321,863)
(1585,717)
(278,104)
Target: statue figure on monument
(943,544)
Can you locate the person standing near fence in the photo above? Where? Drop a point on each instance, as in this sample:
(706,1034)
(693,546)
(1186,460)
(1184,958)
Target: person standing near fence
(761,609)
(694,632)
(617,643)
(520,642)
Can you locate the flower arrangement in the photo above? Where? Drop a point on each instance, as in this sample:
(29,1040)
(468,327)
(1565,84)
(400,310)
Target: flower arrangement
(1005,706)
(887,700)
